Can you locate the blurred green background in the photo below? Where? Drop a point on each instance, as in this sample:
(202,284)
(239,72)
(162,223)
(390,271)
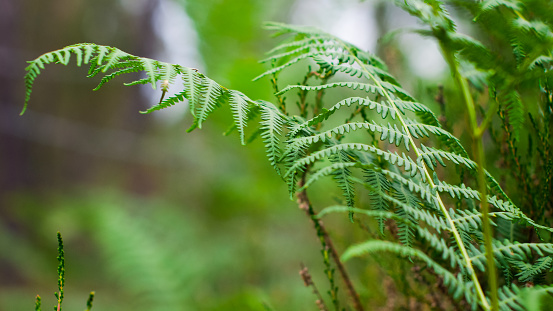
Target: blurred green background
(154,218)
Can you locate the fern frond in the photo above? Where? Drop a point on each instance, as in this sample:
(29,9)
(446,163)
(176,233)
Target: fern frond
(61,56)
(102,59)
(378,182)
(169,72)
(382,109)
(192,87)
(332,54)
(508,206)
(439,244)
(211,97)
(203,94)
(424,113)
(306,46)
(114,74)
(393,158)
(290,158)
(271,125)
(515,251)
(405,232)
(512,298)
(293,44)
(389,132)
(239,105)
(326,171)
(468,220)
(458,191)
(114,57)
(353,71)
(414,185)
(515,112)
(403,180)
(416,212)
(426,184)
(458,286)
(281,29)
(343,177)
(150,66)
(432,156)
(489,5)
(418,130)
(166,103)
(529,271)
(432,13)
(369,88)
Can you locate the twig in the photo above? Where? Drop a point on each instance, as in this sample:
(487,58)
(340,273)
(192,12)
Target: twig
(305,204)
(308,282)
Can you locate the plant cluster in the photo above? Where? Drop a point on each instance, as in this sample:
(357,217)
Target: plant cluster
(389,154)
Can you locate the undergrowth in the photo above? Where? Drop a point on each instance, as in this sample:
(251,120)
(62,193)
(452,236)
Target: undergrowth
(436,203)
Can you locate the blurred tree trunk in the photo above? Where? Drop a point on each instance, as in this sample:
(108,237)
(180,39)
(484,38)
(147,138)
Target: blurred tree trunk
(12,149)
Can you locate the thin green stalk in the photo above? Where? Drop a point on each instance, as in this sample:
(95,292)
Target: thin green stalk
(487,119)
(479,156)
(61,272)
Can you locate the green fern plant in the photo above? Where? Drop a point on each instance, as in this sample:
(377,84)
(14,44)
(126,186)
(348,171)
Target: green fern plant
(380,143)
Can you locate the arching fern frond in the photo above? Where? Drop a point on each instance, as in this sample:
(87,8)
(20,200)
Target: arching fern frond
(343,176)
(456,284)
(511,297)
(505,250)
(393,158)
(369,88)
(380,184)
(239,105)
(382,109)
(388,133)
(528,272)
(515,112)
(438,244)
(203,94)
(272,126)
(406,232)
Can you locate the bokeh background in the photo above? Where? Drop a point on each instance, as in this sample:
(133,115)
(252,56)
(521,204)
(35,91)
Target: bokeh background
(154,218)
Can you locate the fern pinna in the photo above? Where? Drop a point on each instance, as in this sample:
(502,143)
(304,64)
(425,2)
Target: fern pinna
(375,141)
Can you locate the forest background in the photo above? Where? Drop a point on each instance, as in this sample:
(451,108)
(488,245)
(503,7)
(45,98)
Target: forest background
(154,218)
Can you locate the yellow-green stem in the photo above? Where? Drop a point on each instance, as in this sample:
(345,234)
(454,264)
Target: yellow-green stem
(479,157)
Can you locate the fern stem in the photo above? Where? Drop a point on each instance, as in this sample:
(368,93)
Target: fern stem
(487,119)
(476,136)
(274,83)
(305,204)
(429,179)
